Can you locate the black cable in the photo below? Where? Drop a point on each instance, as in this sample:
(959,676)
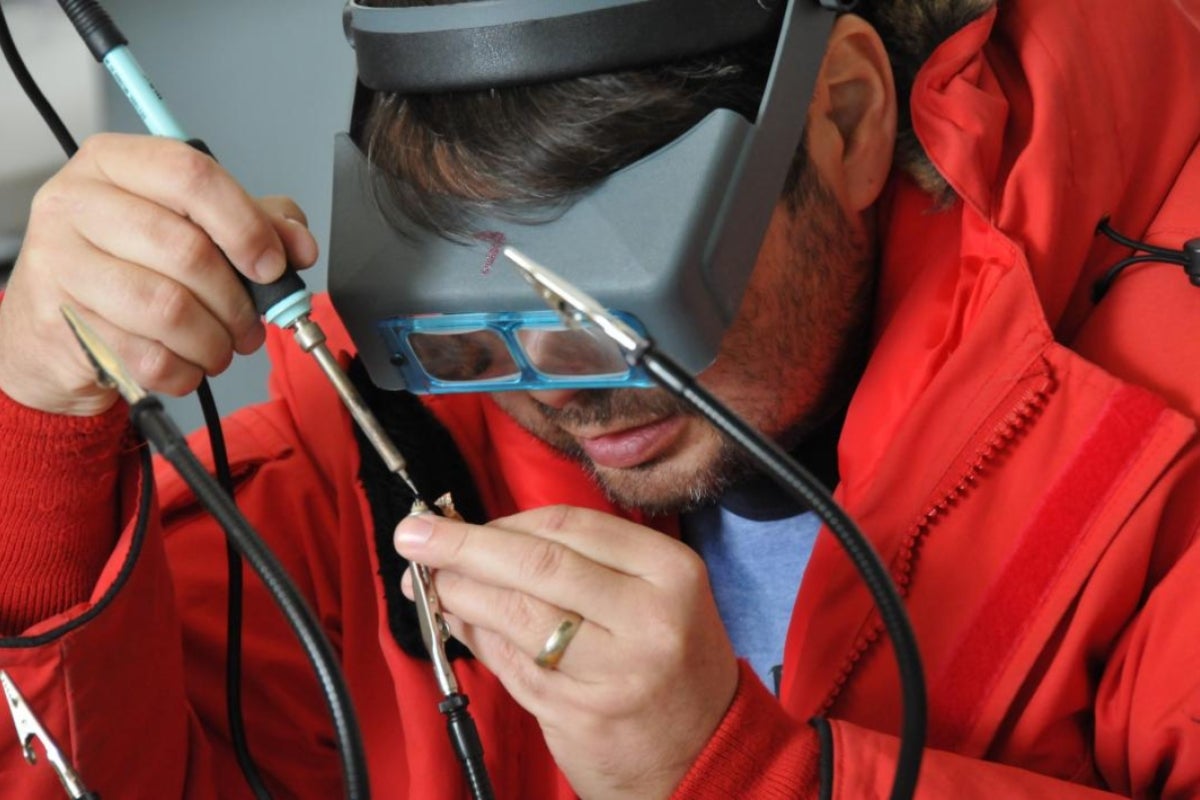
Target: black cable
(234,594)
(32,91)
(150,418)
(794,479)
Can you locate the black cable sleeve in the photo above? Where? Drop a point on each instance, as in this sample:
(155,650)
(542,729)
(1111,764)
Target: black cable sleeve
(234,597)
(13,56)
(150,418)
(94,26)
(794,479)
(467,745)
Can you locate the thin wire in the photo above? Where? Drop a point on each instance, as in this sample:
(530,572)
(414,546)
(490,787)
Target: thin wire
(1134,244)
(1102,286)
(235,595)
(32,91)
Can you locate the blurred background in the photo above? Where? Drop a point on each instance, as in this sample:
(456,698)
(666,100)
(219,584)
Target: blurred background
(267,83)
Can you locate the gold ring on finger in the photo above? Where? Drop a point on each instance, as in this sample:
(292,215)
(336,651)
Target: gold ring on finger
(556,644)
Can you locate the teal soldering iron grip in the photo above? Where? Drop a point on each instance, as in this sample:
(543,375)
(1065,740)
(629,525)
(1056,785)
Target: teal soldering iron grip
(281,302)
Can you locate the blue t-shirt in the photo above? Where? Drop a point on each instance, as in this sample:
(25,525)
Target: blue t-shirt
(756,544)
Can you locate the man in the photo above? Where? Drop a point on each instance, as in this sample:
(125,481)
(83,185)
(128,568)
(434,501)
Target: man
(1023,459)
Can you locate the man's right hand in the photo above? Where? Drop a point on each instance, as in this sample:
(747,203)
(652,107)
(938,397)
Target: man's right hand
(130,232)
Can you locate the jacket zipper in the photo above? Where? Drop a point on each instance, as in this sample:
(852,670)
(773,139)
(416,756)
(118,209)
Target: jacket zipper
(1000,440)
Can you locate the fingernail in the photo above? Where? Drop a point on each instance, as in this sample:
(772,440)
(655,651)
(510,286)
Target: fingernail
(270,265)
(413,531)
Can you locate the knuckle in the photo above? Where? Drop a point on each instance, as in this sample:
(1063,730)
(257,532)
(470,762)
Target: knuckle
(558,518)
(95,146)
(542,560)
(283,206)
(194,170)
(519,611)
(51,201)
(690,568)
(154,365)
(170,302)
(187,245)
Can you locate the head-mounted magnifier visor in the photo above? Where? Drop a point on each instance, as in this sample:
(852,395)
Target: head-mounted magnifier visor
(669,242)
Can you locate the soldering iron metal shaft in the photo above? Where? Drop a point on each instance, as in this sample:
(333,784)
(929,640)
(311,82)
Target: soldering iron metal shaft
(311,339)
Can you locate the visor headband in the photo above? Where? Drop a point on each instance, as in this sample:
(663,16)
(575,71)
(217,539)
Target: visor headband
(493,43)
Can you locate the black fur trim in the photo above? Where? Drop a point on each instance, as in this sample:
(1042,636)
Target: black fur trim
(435,466)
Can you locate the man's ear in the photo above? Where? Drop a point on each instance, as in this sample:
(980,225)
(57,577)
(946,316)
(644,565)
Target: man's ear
(852,119)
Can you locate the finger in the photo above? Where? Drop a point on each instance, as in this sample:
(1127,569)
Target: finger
(133,229)
(151,306)
(181,178)
(149,362)
(540,567)
(547,694)
(291,225)
(617,543)
(526,621)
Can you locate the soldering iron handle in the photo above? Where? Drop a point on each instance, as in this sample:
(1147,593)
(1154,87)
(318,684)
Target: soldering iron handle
(265,295)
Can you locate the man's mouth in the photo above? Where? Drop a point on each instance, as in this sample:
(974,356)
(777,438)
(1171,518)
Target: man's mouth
(632,446)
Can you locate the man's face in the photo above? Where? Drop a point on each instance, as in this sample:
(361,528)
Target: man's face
(788,360)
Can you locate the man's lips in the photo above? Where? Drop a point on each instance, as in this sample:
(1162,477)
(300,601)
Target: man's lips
(630,447)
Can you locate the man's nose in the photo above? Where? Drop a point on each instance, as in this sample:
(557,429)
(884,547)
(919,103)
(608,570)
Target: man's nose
(554,398)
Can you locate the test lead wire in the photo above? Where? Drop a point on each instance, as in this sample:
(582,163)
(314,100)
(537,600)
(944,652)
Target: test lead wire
(149,416)
(575,307)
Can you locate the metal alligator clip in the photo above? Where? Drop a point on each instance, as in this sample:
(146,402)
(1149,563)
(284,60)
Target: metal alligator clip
(574,306)
(29,729)
(109,369)
(434,632)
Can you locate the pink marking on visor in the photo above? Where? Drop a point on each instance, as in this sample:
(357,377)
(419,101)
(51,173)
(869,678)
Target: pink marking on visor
(497,240)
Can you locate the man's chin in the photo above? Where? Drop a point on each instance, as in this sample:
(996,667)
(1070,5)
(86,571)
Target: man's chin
(670,485)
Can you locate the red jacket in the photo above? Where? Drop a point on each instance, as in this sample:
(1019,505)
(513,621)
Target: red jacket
(1024,461)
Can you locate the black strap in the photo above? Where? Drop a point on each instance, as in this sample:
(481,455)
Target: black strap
(398,51)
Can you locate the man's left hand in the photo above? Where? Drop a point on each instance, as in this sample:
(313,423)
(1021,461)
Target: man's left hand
(648,675)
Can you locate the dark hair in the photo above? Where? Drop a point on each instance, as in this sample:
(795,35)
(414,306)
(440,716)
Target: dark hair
(525,150)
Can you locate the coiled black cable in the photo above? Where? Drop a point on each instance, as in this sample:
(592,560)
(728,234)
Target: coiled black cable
(17,65)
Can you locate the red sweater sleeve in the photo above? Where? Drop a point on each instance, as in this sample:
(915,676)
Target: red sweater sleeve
(757,751)
(59,508)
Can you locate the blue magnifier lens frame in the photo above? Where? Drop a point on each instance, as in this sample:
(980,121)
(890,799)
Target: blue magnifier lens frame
(505,325)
